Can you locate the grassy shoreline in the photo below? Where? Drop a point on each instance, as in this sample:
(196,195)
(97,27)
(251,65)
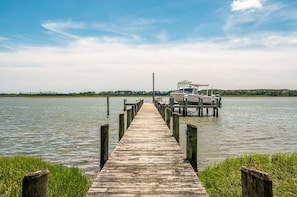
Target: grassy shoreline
(63,181)
(224,179)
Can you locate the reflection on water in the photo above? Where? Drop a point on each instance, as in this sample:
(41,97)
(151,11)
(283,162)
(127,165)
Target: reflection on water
(66,130)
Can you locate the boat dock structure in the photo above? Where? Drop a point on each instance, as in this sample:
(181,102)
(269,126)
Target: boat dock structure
(148,161)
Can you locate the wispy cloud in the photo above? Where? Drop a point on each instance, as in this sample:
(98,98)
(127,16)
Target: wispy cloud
(63,27)
(3,38)
(246,5)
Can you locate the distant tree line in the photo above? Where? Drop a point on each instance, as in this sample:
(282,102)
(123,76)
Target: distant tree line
(257,92)
(244,92)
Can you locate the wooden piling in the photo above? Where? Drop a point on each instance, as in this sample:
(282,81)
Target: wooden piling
(104,138)
(129,119)
(168,117)
(125,106)
(217,107)
(121,125)
(201,106)
(171,103)
(175,125)
(107,101)
(192,146)
(255,183)
(133,112)
(185,110)
(35,184)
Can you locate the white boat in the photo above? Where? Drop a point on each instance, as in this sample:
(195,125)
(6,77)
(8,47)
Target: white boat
(186,90)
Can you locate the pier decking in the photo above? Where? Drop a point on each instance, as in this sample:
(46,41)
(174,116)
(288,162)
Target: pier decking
(147,162)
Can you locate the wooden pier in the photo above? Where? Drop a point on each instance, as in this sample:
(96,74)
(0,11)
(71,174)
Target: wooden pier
(147,162)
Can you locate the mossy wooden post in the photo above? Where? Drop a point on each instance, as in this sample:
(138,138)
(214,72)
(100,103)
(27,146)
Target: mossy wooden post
(175,125)
(129,114)
(192,146)
(201,106)
(217,107)
(255,183)
(35,184)
(104,138)
(121,125)
(132,112)
(171,103)
(107,100)
(163,113)
(185,110)
(125,106)
(168,117)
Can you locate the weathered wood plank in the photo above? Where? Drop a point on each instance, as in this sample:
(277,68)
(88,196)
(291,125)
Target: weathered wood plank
(147,162)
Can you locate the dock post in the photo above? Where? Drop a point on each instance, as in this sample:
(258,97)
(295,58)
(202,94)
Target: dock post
(255,183)
(168,117)
(35,184)
(192,146)
(175,125)
(201,106)
(171,103)
(121,125)
(125,106)
(217,107)
(104,138)
(163,111)
(185,110)
(133,112)
(107,98)
(129,114)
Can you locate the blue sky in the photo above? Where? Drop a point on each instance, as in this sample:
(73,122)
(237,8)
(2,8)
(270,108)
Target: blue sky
(97,45)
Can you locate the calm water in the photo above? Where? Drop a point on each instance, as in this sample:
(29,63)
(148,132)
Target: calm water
(66,130)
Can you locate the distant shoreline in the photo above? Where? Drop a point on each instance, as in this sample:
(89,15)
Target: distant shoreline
(128,93)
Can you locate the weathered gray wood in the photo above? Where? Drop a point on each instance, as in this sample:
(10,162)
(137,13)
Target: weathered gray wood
(192,146)
(35,184)
(255,183)
(125,106)
(185,109)
(175,126)
(107,100)
(121,125)
(147,162)
(217,107)
(168,117)
(171,103)
(129,118)
(104,138)
(132,112)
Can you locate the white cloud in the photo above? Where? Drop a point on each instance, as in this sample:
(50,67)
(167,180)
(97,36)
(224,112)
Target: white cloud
(97,64)
(243,5)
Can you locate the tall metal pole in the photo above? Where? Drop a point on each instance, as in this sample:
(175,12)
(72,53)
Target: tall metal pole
(153,87)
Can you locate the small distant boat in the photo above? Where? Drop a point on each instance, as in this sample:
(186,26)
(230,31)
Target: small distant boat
(186,90)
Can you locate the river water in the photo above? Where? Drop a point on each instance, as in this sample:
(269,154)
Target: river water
(66,130)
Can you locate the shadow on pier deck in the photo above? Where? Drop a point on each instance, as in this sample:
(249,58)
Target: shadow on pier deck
(147,162)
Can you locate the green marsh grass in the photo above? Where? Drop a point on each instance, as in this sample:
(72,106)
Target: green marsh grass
(224,179)
(63,181)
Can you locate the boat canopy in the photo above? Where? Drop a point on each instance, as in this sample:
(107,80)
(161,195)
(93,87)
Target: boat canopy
(188,84)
